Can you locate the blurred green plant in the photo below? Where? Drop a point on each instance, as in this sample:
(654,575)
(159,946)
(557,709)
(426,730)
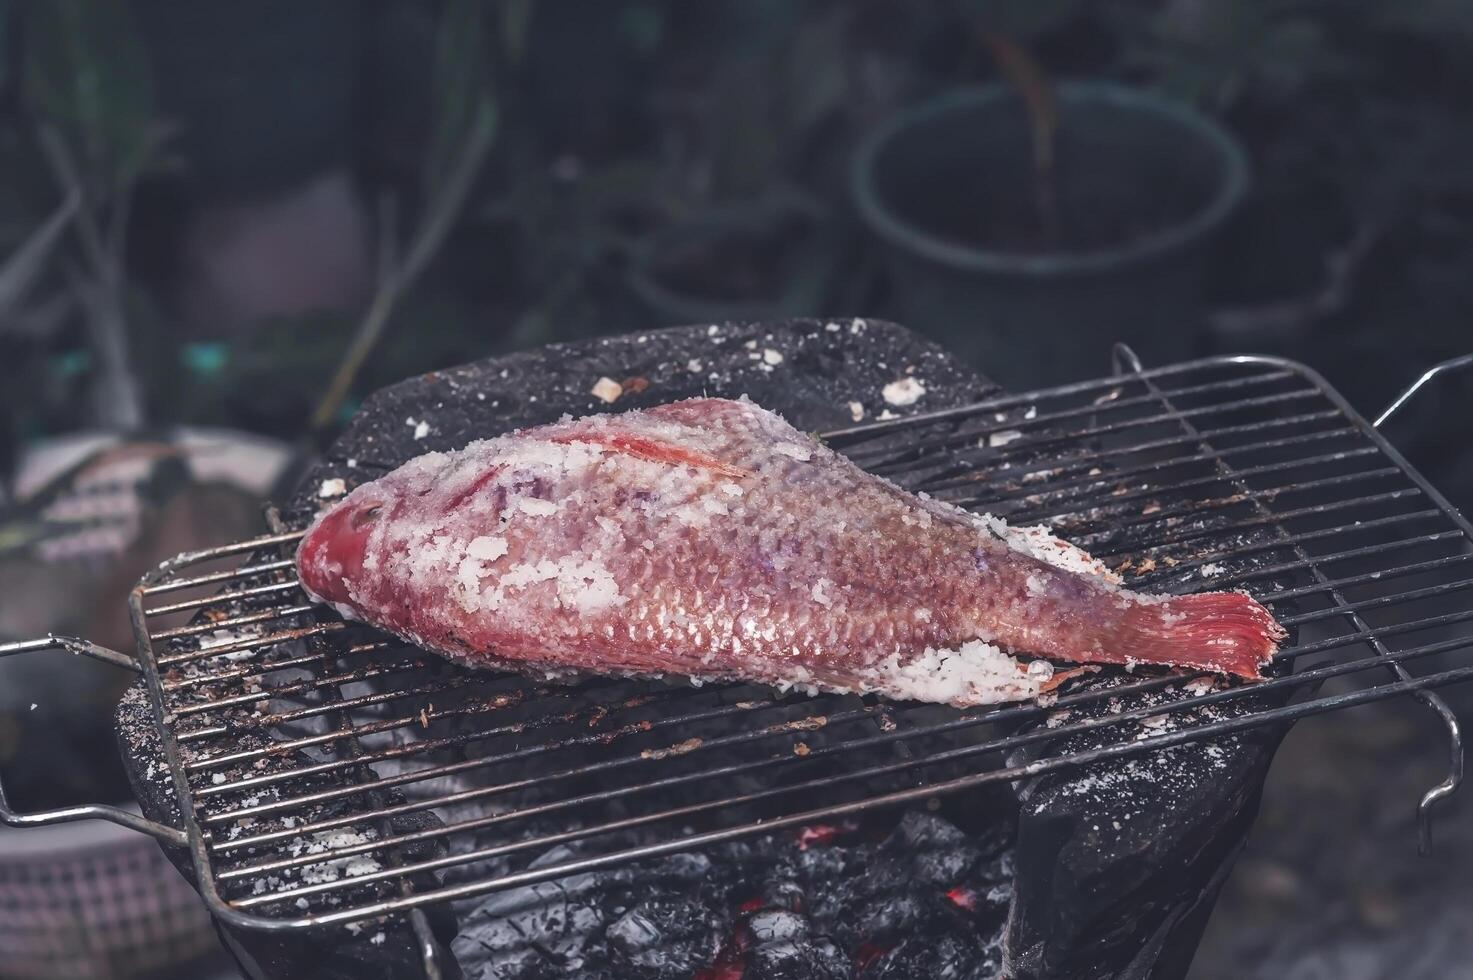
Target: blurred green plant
(88,85)
(82,115)
(464,127)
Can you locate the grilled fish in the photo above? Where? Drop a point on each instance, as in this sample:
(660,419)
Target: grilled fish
(709,538)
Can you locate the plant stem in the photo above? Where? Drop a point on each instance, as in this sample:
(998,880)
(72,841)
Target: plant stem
(393,282)
(117,402)
(1027,76)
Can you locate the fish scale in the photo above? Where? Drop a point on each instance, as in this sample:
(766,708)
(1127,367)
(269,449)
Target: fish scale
(594,544)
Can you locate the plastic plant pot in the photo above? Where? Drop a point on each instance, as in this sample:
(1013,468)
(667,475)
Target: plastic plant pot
(1142,185)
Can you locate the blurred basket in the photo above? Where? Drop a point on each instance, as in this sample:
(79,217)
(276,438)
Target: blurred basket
(95,900)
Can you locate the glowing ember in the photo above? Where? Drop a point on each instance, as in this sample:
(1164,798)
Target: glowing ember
(867,954)
(963,898)
(821,834)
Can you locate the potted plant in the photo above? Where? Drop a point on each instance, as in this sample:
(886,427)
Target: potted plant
(1032,225)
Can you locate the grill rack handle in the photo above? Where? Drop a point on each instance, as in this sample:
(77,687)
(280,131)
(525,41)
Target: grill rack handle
(1124,360)
(91,811)
(1449,719)
(1451,364)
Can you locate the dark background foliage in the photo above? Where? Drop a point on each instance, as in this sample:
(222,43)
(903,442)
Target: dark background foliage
(517,164)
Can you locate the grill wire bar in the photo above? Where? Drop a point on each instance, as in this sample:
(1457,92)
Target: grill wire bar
(328,774)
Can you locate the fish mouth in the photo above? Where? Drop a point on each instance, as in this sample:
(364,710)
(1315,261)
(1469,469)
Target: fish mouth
(332,551)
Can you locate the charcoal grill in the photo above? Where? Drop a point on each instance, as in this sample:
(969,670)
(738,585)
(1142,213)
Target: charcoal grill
(295,741)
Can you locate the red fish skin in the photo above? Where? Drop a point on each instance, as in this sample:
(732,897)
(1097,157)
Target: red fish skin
(710,538)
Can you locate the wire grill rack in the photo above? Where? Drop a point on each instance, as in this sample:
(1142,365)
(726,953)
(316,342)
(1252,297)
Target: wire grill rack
(329,774)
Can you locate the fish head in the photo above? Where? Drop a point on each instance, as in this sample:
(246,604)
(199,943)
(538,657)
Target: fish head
(331,554)
(345,542)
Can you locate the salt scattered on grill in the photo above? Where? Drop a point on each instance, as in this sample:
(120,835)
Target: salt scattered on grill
(1002,438)
(226,637)
(1211,569)
(856,411)
(333,868)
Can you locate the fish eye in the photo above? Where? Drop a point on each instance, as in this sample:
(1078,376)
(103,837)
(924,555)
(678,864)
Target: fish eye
(365,516)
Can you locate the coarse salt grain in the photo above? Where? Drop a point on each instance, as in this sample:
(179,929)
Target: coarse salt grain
(856,411)
(607,390)
(334,487)
(976,672)
(906,391)
(1039,543)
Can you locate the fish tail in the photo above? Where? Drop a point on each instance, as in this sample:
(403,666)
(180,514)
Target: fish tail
(1227,632)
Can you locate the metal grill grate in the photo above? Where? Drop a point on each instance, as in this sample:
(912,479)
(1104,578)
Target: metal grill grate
(329,774)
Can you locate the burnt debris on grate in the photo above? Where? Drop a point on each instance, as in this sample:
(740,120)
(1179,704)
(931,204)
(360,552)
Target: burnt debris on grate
(303,739)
